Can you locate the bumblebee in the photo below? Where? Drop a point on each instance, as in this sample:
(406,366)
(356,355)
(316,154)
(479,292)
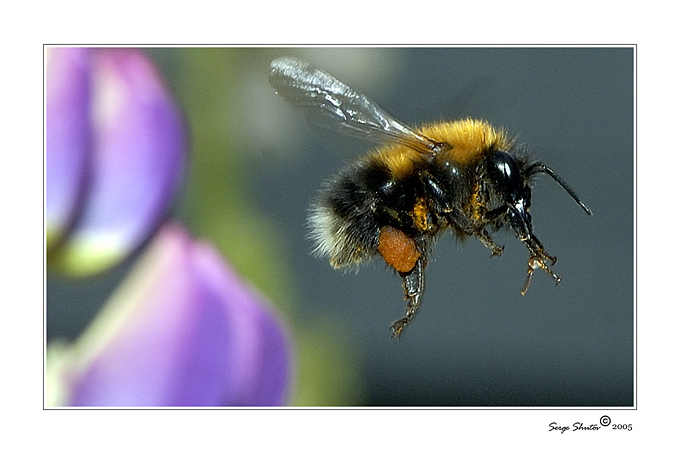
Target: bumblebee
(465,176)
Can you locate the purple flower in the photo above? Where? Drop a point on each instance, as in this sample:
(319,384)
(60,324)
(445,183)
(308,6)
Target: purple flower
(115,155)
(182,330)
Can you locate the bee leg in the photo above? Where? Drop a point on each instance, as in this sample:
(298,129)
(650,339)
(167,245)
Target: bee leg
(489,243)
(413,283)
(538,259)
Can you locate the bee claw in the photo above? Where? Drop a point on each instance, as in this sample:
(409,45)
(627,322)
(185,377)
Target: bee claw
(486,239)
(397,326)
(497,251)
(539,261)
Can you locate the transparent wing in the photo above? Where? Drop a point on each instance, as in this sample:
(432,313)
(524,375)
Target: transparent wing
(333,105)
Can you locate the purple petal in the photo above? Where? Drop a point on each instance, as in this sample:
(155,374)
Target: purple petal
(67,131)
(261,348)
(138,160)
(183,330)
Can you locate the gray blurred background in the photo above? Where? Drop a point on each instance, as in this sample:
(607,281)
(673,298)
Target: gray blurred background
(476,341)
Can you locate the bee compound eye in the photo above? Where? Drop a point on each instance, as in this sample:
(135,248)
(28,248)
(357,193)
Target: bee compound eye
(506,175)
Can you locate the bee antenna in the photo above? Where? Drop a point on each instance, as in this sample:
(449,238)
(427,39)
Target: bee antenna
(539,167)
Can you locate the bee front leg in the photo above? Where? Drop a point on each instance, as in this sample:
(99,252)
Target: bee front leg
(539,259)
(413,283)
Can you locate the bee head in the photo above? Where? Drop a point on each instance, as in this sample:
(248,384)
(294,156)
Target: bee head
(511,181)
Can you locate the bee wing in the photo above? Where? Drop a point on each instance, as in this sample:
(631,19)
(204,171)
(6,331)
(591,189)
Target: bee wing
(334,105)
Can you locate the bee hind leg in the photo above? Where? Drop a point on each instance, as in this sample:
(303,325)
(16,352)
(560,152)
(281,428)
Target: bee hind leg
(413,283)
